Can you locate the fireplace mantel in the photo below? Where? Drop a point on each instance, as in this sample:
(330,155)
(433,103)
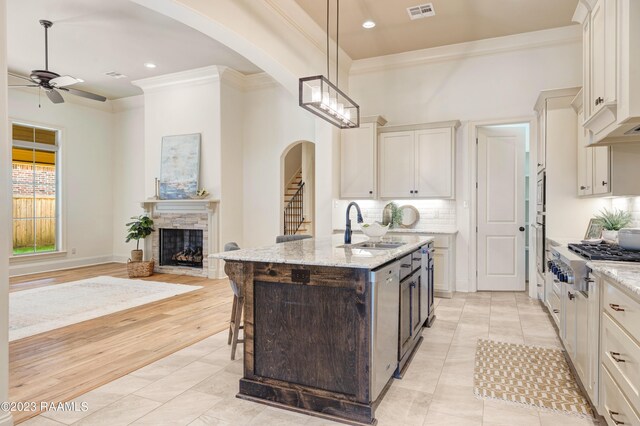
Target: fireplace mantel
(193,205)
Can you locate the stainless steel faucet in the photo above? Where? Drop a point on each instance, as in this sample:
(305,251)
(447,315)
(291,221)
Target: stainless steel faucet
(347,231)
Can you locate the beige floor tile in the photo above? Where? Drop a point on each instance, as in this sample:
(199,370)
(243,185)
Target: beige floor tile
(403,407)
(222,356)
(122,412)
(232,410)
(556,419)
(100,398)
(206,420)
(441,419)
(276,416)
(497,413)
(165,366)
(176,383)
(456,400)
(182,410)
(40,421)
(222,384)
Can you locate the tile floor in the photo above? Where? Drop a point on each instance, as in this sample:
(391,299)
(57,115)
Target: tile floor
(196,386)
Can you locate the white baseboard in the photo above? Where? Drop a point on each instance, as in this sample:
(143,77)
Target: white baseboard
(26,268)
(463,287)
(6,419)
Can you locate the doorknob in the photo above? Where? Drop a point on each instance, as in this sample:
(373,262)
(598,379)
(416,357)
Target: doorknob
(521,229)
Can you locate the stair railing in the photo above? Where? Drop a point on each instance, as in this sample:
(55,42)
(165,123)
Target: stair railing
(294,212)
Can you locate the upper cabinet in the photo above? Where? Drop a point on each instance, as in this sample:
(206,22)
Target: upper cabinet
(358,160)
(611,39)
(418,161)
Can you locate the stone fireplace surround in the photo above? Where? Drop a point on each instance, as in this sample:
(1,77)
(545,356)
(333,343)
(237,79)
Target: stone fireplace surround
(185,214)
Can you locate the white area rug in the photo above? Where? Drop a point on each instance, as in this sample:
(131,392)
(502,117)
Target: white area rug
(47,308)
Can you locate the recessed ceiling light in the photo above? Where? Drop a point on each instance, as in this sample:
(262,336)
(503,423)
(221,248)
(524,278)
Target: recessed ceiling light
(149,65)
(368,24)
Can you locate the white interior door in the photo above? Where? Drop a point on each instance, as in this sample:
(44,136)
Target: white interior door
(501,204)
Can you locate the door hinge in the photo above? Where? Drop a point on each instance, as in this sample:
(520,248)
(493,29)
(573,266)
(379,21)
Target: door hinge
(476,185)
(476,141)
(476,229)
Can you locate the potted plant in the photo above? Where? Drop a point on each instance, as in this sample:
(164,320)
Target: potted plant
(141,227)
(612,221)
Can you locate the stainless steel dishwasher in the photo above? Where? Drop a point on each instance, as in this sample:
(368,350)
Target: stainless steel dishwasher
(385,287)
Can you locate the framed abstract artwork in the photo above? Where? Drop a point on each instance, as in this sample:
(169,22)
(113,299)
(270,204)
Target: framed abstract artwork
(179,166)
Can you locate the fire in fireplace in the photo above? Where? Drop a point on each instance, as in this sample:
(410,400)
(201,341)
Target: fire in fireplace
(181,247)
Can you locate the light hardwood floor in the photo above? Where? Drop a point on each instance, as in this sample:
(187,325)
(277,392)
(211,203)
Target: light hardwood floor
(62,364)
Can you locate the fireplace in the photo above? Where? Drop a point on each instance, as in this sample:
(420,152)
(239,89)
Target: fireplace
(181,247)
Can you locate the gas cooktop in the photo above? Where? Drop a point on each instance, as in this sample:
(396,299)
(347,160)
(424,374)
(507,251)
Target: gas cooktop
(604,251)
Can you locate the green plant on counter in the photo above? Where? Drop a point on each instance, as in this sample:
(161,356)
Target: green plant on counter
(396,215)
(613,220)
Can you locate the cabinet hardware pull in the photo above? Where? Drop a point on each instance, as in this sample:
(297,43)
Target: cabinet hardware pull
(416,258)
(604,183)
(405,265)
(614,413)
(415,191)
(599,101)
(616,357)
(370,192)
(571,296)
(588,280)
(411,192)
(556,311)
(616,307)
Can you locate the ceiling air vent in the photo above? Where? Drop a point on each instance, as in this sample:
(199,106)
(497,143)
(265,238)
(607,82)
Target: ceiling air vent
(114,74)
(421,11)
(634,131)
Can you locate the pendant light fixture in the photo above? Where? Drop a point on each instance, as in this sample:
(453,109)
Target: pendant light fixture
(317,94)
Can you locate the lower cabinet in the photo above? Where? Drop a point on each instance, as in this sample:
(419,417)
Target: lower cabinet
(616,408)
(409,311)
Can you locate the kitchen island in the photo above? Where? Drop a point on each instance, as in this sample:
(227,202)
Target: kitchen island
(324,324)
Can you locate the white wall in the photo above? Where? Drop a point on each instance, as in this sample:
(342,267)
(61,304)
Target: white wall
(272,121)
(5,219)
(292,162)
(477,86)
(86,181)
(128,169)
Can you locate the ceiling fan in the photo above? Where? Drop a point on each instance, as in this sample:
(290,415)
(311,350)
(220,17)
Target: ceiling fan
(52,82)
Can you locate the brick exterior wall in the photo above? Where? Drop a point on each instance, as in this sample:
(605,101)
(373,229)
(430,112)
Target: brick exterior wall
(23,180)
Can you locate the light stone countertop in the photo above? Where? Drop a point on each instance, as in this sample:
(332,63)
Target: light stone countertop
(562,241)
(626,274)
(326,251)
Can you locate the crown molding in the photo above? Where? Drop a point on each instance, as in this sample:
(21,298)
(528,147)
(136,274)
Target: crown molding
(192,77)
(259,81)
(530,40)
(582,12)
(233,78)
(128,103)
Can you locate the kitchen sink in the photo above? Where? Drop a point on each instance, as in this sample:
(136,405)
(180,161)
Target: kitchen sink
(375,245)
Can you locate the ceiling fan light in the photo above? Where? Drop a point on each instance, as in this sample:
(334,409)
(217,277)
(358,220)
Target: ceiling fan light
(368,24)
(150,65)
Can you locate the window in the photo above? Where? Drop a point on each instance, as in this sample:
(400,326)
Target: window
(35,189)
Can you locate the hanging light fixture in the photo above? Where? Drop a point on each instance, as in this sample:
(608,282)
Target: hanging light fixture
(317,94)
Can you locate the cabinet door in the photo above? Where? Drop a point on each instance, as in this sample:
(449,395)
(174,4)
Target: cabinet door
(586,70)
(434,163)
(415,305)
(405,316)
(593,340)
(542,140)
(598,64)
(582,338)
(570,319)
(441,270)
(601,166)
(397,165)
(358,162)
(585,163)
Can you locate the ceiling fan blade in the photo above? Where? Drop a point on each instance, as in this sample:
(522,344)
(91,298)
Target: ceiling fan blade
(64,80)
(55,96)
(23,85)
(84,94)
(20,76)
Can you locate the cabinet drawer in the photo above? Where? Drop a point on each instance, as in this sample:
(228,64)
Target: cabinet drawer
(617,345)
(405,267)
(557,287)
(554,303)
(623,309)
(440,241)
(616,407)
(416,260)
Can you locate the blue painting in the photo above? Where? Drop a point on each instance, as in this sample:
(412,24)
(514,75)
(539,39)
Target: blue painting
(179,166)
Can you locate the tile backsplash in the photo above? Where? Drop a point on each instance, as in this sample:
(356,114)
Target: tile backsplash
(434,214)
(631,204)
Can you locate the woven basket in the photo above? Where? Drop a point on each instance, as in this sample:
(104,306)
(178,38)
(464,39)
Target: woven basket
(140,269)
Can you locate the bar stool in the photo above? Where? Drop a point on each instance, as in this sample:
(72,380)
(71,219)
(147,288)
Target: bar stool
(235,323)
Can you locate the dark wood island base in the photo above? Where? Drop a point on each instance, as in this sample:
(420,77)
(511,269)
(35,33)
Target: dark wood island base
(310,342)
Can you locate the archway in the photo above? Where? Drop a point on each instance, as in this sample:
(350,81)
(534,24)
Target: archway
(297,188)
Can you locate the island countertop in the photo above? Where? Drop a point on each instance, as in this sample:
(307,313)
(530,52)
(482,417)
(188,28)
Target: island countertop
(326,251)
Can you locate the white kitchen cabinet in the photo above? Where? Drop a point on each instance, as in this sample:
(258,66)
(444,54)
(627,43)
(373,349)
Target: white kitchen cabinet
(434,155)
(358,160)
(397,164)
(581,361)
(611,40)
(541,146)
(593,340)
(418,161)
